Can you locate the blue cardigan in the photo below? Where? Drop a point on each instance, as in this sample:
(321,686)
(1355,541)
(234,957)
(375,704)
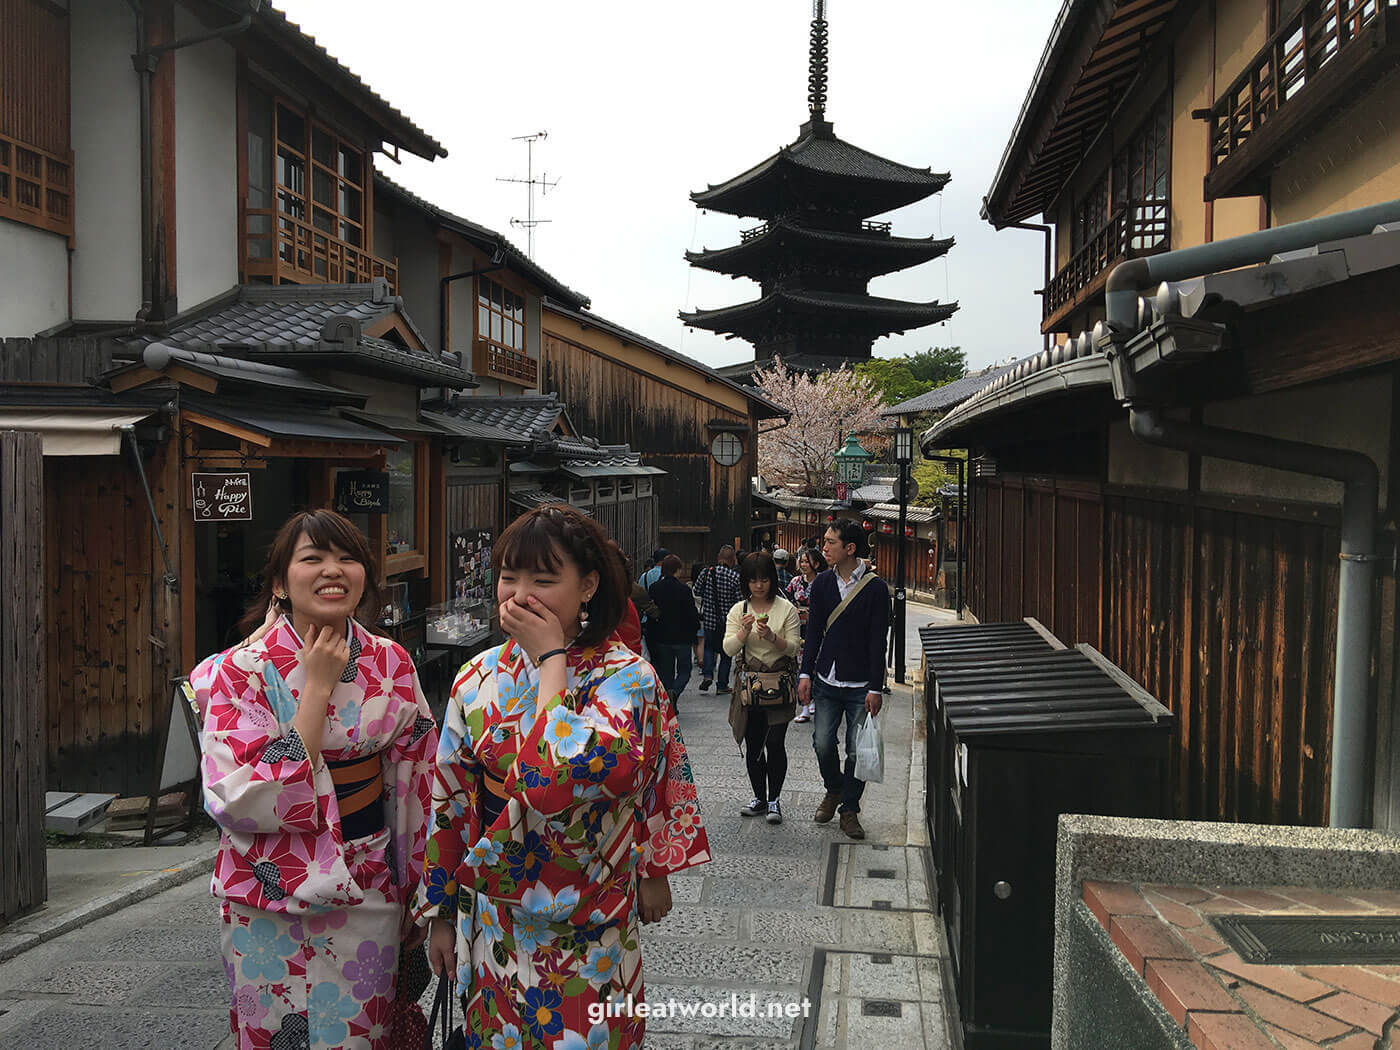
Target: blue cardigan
(855,646)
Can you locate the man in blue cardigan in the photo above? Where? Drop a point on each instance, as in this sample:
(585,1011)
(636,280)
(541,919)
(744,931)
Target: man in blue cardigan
(843,665)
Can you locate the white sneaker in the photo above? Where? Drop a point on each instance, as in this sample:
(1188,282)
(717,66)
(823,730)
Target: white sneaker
(775,813)
(754,808)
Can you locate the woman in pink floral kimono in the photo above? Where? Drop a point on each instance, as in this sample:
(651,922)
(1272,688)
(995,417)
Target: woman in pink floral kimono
(563,799)
(318,747)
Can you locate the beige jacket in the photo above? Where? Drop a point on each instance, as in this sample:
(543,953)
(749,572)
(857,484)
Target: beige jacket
(783,621)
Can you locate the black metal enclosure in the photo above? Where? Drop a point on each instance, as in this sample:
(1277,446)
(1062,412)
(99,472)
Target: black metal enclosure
(1023,735)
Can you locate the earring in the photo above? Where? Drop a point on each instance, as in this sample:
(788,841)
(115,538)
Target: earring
(279,595)
(583,614)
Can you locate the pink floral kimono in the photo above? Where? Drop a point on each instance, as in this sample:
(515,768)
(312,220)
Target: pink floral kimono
(310,920)
(592,790)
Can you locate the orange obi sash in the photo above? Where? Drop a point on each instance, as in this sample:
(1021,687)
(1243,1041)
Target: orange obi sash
(359,793)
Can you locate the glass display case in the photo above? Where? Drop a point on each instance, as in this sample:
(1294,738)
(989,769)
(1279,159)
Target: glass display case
(459,624)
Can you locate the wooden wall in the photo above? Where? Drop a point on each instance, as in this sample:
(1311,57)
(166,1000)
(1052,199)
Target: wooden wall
(633,524)
(34,83)
(666,424)
(473,505)
(1225,615)
(113,641)
(23,869)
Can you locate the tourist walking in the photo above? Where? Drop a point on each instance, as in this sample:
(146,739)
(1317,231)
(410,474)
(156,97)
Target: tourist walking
(798,591)
(762,634)
(718,590)
(843,664)
(561,803)
(672,637)
(317,755)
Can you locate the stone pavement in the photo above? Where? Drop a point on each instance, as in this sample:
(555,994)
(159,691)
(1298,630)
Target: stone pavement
(796,915)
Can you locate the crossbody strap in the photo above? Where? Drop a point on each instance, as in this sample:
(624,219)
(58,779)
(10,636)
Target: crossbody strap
(850,597)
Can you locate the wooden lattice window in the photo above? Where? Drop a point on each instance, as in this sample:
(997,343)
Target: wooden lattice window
(1142,180)
(1090,214)
(500,315)
(36,162)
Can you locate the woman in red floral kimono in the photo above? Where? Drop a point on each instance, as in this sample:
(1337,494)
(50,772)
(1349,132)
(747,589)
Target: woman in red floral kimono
(318,747)
(563,799)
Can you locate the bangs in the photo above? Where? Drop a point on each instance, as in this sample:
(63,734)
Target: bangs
(328,530)
(530,544)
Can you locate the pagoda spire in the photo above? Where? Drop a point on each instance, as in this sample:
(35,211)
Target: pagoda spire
(817,62)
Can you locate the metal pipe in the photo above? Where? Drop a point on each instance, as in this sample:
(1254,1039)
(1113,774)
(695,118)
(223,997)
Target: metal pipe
(171,580)
(497,263)
(1357,472)
(1034,227)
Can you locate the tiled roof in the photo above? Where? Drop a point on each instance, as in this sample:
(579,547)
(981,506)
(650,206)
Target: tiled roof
(890,512)
(231,370)
(875,491)
(769,409)
(531,416)
(529,499)
(883,314)
(486,239)
(401,131)
(942,398)
(873,253)
(309,321)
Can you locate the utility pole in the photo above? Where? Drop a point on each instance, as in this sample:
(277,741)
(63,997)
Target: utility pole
(529,223)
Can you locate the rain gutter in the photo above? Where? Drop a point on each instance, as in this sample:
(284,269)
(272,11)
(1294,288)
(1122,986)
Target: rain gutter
(1349,799)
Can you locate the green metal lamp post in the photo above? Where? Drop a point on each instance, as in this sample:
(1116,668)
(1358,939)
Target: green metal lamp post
(850,462)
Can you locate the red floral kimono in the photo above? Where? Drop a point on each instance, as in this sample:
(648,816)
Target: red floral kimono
(593,789)
(311,922)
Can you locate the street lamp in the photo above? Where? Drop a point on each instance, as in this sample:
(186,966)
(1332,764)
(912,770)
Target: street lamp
(904,456)
(850,462)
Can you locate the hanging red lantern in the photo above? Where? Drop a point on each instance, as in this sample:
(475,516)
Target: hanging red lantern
(909,531)
(867,524)
(887,528)
(830,518)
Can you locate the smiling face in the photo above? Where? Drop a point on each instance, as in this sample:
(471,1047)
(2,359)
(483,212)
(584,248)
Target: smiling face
(562,590)
(325,584)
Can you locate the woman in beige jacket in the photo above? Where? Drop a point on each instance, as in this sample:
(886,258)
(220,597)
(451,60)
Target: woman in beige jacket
(766,627)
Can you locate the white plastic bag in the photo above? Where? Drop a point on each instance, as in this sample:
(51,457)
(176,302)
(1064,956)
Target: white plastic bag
(870,751)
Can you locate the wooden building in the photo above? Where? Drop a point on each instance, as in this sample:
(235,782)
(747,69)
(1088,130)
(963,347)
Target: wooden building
(1120,492)
(680,415)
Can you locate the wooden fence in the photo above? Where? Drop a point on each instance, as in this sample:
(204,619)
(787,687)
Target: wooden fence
(23,869)
(1227,615)
(67,360)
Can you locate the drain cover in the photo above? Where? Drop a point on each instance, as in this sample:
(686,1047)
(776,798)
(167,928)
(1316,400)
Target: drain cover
(1317,940)
(882,905)
(879,873)
(881,1008)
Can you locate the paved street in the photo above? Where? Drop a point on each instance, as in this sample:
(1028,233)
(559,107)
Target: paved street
(786,914)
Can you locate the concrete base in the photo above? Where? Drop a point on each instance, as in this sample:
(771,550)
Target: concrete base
(1117,849)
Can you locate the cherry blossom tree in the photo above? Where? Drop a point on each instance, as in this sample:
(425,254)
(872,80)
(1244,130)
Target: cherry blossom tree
(825,407)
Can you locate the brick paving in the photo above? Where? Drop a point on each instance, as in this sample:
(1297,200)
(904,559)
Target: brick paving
(1226,1003)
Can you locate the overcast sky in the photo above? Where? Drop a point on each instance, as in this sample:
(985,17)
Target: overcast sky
(645,102)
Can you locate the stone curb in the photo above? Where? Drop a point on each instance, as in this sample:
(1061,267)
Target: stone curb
(46,929)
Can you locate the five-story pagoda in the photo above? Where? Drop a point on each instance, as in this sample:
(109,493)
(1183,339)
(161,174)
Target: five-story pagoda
(817,249)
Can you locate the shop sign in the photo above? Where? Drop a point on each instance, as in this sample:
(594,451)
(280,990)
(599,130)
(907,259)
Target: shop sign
(362,491)
(222,496)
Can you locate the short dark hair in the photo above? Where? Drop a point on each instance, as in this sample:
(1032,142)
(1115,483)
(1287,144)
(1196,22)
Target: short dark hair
(539,538)
(670,565)
(759,566)
(851,531)
(325,528)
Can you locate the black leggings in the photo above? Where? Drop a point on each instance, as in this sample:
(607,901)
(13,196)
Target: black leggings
(765,755)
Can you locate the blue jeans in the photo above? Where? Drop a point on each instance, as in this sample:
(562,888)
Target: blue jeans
(714,645)
(672,663)
(832,705)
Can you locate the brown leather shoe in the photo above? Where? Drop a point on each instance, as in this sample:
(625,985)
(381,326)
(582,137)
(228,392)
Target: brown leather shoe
(827,809)
(850,824)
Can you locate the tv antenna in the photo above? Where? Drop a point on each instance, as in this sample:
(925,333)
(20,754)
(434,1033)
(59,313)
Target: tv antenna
(529,223)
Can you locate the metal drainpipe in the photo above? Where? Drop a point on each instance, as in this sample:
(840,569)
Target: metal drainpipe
(145,61)
(1357,472)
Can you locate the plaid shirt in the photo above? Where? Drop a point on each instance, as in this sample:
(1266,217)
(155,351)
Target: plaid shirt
(719,591)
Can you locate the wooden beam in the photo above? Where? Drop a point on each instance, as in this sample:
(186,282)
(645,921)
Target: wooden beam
(232,429)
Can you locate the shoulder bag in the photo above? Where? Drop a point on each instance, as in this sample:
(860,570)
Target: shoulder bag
(771,687)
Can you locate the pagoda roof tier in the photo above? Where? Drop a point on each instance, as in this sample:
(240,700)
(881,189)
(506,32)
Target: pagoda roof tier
(871,252)
(864,313)
(821,171)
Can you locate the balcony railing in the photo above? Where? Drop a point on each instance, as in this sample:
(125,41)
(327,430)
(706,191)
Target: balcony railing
(1327,48)
(866,227)
(282,247)
(36,187)
(497,362)
(1133,229)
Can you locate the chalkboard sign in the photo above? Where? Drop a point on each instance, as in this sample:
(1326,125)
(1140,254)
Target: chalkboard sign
(222,496)
(362,491)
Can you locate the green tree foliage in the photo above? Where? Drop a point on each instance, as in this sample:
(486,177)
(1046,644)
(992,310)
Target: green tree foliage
(898,379)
